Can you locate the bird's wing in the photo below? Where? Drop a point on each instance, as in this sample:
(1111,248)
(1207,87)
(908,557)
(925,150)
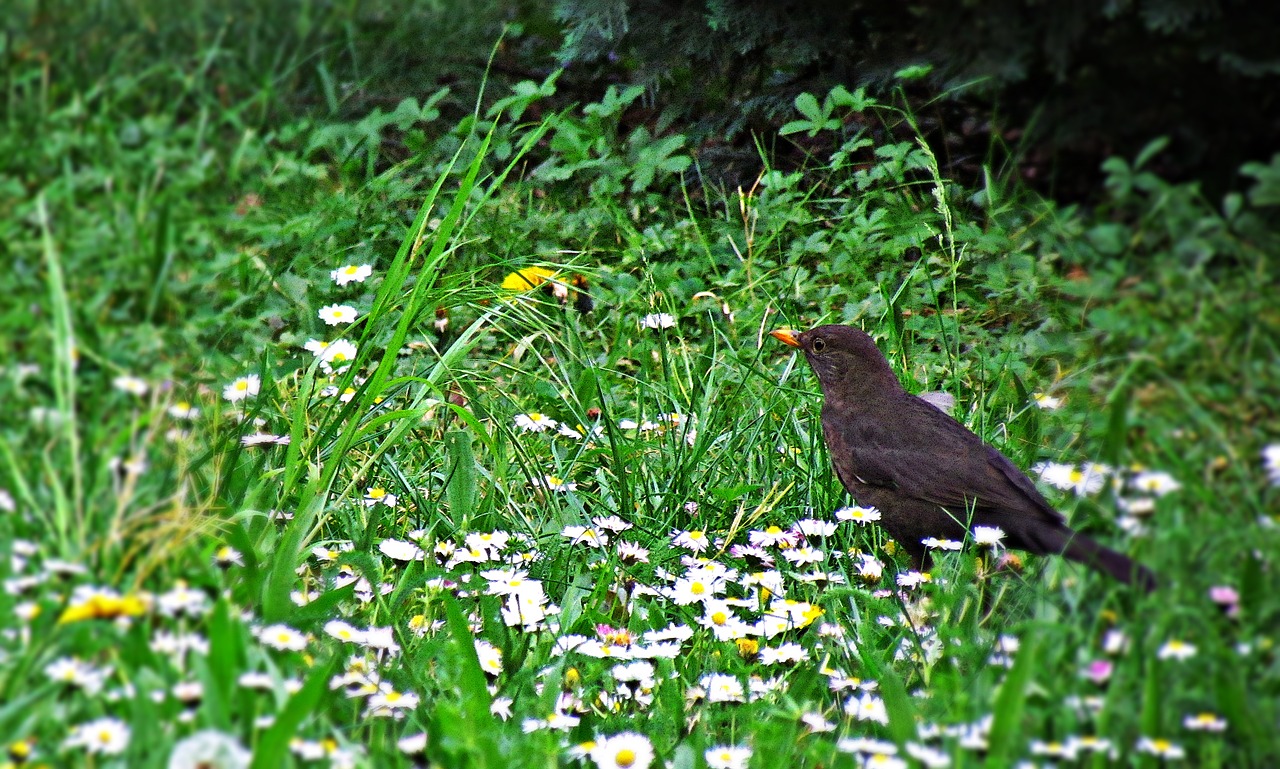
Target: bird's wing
(925,454)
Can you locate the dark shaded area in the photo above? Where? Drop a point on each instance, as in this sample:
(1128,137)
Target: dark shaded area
(1051,89)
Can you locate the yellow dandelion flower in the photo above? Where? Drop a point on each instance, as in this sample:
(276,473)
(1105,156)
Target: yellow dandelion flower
(527,279)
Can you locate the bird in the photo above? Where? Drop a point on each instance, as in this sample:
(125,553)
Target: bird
(927,474)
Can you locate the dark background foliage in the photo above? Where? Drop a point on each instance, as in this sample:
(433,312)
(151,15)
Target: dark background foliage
(1056,86)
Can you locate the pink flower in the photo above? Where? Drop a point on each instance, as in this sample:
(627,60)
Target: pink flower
(1224,595)
(1099,671)
(1228,598)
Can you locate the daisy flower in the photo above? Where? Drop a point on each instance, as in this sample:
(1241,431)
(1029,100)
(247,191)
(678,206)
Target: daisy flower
(867,707)
(728,757)
(611,523)
(695,540)
(910,579)
(1224,595)
(812,527)
(566,431)
(658,320)
(226,556)
(337,314)
(870,569)
(631,553)
(490,657)
(1071,478)
(282,638)
(1154,482)
(723,688)
(264,439)
(391,703)
(858,514)
(803,556)
(351,273)
(1160,748)
(816,722)
(535,422)
(78,673)
(1115,642)
(183,410)
(334,356)
(786,654)
(1177,650)
(1137,506)
(343,631)
(413,744)
(130,384)
(554,483)
(209,748)
(400,550)
(501,707)
(1271,463)
(1064,751)
(1089,744)
(1205,722)
(377,495)
(493,540)
(773,535)
(628,750)
(109,736)
(689,590)
(1046,401)
(987,536)
(244,387)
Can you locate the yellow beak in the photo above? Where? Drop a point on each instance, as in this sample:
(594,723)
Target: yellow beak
(786,336)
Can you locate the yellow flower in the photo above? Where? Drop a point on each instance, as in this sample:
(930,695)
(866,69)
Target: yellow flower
(21,750)
(810,614)
(104,607)
(527,279)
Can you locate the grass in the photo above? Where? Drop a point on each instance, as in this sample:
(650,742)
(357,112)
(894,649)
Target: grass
(396,551)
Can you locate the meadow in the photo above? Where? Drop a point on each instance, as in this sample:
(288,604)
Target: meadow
(450,434)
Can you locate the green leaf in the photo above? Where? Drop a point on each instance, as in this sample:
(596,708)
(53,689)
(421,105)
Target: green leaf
(271,751)
(473,688)
(897,704)
(461,483)
(1152,696)
(913,72)
(1267,190)
(855,102)
(807,105)
(731,493)
(222,666)
(1006,726)
(1118,418)
(1153,148)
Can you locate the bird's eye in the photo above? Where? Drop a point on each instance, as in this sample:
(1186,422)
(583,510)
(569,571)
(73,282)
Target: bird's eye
(819,345)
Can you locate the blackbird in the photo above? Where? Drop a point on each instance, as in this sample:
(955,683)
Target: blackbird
(926,473)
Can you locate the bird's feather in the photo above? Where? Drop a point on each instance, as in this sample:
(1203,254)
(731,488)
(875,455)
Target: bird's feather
(927,455)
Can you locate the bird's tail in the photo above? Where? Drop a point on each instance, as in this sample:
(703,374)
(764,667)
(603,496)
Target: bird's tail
(1080,548)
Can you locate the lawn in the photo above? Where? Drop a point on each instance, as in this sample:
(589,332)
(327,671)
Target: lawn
(448,432)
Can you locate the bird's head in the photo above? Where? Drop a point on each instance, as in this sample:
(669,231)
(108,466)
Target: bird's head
(845,359)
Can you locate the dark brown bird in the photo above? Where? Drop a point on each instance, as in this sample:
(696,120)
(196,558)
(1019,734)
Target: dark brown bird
(928,474)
